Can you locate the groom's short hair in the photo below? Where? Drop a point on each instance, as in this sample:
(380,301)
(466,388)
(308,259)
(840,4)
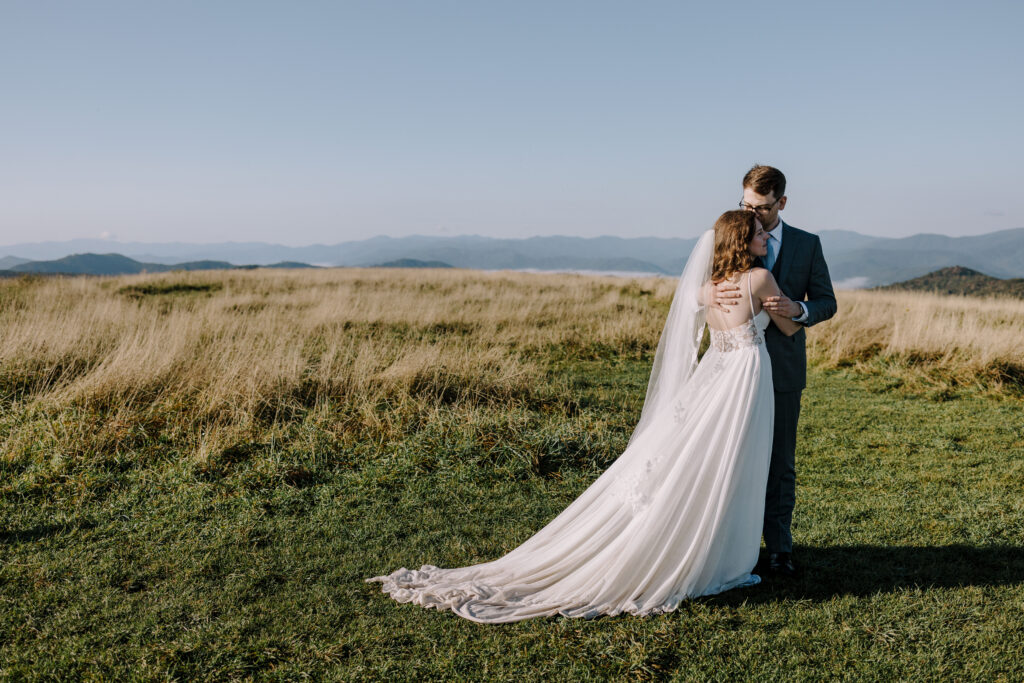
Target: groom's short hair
(765,180)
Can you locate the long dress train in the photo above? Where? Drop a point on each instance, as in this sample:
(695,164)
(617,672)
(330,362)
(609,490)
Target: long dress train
(677,515)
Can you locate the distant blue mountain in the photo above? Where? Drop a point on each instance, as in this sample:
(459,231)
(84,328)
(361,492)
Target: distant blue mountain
(10,261)
(412,263)
(854,259)
(117,264)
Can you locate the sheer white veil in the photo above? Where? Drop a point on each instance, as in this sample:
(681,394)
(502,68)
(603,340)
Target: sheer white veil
(676,357)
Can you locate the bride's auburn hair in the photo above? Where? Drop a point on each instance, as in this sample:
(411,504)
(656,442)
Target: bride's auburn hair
(733,232)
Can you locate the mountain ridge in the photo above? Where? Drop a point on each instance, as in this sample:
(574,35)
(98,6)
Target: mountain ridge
(854,259)
(118,264)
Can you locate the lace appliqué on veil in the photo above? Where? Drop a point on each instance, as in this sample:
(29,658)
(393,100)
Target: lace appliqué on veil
(634,488)
(678,411)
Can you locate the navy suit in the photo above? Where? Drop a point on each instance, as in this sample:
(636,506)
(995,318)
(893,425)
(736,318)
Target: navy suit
(802,275)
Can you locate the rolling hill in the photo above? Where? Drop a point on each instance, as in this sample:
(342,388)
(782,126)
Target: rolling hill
(962,281)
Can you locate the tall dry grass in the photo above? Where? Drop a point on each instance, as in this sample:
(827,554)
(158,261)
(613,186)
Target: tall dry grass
(208,357)
(922,338)
(202,360)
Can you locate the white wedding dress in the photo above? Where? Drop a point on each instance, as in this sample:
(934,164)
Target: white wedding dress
(677,515)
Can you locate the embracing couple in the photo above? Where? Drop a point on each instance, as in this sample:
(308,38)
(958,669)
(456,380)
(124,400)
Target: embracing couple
(709,468)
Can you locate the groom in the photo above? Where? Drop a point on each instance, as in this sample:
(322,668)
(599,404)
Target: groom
(795,259)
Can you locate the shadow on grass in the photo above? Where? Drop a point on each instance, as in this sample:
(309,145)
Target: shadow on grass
(829,572)
(38,533)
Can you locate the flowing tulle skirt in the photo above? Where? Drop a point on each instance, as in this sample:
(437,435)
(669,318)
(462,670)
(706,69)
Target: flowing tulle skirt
(678,515)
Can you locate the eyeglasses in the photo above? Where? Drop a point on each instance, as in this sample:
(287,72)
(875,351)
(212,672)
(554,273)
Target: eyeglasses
(764,208)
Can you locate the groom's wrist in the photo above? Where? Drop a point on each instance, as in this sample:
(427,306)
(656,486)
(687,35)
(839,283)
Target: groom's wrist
(802,318)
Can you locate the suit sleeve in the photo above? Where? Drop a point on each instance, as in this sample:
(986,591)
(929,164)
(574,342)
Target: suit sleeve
(821,300)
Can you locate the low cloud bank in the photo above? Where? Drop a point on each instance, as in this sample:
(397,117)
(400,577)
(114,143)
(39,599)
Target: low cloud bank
(859,282)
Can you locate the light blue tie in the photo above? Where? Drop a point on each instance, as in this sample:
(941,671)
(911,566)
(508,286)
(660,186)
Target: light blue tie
(769,259)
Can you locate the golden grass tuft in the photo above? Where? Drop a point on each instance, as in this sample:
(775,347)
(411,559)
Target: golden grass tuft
(923,338)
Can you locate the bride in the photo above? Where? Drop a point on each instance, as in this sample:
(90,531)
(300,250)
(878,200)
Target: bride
(679,513)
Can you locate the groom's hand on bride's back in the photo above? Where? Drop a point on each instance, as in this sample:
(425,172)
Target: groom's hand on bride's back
(726,294)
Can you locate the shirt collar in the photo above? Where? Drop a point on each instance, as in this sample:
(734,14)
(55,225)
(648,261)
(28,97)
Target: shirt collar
(776,232)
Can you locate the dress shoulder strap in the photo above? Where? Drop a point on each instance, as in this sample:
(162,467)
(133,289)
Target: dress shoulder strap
(750,294)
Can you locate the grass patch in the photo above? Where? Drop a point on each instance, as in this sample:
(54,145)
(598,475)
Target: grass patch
(908,529)
(217,523)
(169,288)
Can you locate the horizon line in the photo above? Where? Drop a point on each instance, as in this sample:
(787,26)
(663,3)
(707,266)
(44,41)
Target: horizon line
(113,241)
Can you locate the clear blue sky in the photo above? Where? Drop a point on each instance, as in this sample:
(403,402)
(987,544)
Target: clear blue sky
(309,121)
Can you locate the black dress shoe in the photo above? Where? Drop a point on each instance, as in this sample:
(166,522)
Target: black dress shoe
(781,564)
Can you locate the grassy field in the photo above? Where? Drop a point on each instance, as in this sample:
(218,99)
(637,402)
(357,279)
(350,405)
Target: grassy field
(198,470)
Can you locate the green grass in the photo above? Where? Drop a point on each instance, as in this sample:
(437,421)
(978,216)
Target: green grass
(156,289)
(140,564)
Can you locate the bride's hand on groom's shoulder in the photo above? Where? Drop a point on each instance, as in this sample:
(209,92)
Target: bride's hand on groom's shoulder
(726,294)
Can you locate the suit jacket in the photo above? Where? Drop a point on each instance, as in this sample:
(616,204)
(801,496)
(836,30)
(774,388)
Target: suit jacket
(802,275)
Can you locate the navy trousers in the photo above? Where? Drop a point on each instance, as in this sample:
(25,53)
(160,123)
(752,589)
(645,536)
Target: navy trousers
(780,496)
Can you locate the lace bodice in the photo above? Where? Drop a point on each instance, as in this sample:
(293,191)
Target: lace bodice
(750,333)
